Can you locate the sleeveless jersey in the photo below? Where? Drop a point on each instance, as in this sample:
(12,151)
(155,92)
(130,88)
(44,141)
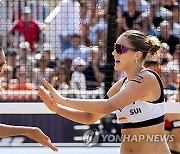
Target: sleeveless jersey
(142,113)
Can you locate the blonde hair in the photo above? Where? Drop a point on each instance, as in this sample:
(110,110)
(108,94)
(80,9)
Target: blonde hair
(148,45)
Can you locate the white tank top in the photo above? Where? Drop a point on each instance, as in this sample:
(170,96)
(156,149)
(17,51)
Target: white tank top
(142,113)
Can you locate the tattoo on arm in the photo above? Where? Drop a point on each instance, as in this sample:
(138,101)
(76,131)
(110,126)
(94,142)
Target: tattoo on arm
(140,76)
(138,79)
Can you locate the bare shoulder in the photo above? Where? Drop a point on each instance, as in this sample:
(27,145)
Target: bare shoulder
(145,77)
(147,82)
(148,77)
(144,86)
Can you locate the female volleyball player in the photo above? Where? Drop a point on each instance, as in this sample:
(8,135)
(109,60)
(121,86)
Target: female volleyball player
(31,132)
(137,98)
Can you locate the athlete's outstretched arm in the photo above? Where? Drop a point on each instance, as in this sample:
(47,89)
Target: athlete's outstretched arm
(31,132)
(133,92)
(69,113)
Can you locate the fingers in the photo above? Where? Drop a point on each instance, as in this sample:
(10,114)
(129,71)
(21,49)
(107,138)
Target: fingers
(47,100)
(46,142)
(44,96)
(43,93)
(47,85)
(50,145)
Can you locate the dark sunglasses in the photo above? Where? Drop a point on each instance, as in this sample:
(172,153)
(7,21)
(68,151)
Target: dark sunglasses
(120,49)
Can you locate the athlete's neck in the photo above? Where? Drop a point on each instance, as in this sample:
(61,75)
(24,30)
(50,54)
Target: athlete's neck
(131,72)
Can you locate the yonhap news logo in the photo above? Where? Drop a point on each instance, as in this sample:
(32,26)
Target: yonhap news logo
(91,137)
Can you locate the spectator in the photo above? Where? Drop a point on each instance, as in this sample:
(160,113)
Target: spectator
(168,77)
(6,80)
(165,56)
(42,70)
(153,65)
(145,25)
(156,14)
(26,58)
(84,21)
(65,24)
(11,57)
(92,6)
(170,71)
(175,98)
(168,4)
(129,17)
(166,36)
(67,64)
(102,51)
(98,29)
(78,81)
(22,84)
(77,50)
(102,4)
(94,72)
(24,48)
(40,10)
(174,20)
(28,29)
(86,14)
(175,64)
(142,5)
(49,56)
(59,81)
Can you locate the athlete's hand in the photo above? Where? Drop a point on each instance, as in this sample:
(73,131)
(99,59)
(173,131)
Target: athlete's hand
(37,135)
(48,101)
(57,98)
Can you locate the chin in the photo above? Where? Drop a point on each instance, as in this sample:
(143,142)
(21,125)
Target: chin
(118,68)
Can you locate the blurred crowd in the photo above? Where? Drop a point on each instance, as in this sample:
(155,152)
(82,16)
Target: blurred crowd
(80,27)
